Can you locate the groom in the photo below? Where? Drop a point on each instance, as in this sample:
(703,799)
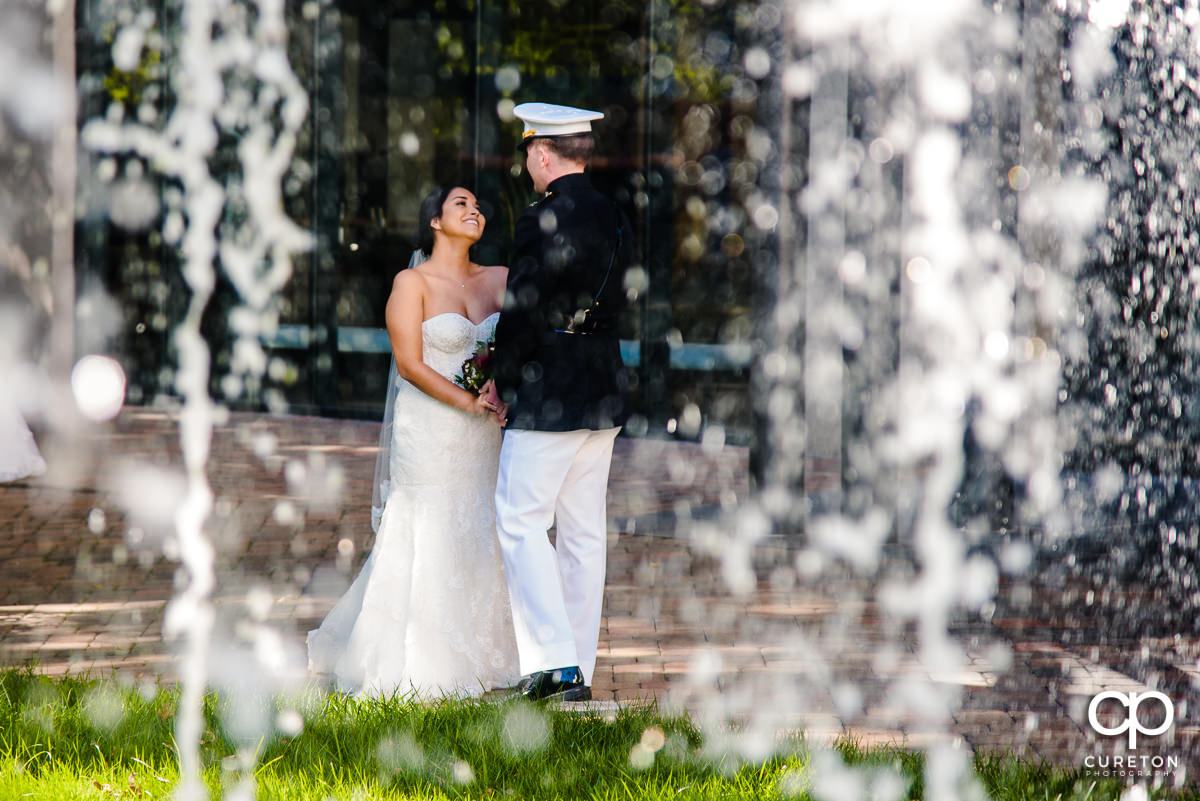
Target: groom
(558,366)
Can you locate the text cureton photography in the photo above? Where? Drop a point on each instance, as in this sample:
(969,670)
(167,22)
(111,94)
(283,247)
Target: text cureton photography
(1129,765)
(1133,722)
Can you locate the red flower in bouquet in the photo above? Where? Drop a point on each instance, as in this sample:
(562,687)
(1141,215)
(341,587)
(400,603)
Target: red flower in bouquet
(477,369)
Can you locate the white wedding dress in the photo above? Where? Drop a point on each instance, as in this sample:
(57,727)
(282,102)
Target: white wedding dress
(19,454)
(429,611)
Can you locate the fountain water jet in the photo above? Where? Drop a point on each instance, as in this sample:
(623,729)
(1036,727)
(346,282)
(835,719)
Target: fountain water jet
(232,75)
(936,210)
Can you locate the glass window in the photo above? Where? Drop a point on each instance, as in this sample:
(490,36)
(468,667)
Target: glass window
(406,96)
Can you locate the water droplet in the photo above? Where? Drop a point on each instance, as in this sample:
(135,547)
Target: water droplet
(133,204)
(508,79)
(757,62)
(463,773)
(1108,13)
(853,267)
(662,66)
(653,738)
(98,385)
(641,757)
(259,601)
(526,729)
(399,752)
(290,723)
(103,707)
(919,270)
(285,513)
(1019,178)
(880,150)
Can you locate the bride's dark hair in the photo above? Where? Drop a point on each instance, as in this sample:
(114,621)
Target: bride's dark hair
(431,207)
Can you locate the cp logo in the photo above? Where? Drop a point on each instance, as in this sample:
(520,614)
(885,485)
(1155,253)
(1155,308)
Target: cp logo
(1132,723)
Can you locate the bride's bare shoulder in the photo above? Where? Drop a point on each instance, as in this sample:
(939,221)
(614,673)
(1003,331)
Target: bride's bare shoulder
(409,280)
(407,287)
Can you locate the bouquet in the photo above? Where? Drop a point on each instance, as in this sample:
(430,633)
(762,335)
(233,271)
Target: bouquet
(477,369)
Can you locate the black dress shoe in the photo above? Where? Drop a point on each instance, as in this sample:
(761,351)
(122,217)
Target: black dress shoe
(560,684)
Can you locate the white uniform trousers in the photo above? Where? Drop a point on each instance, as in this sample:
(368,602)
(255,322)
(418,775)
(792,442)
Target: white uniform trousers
(556,591)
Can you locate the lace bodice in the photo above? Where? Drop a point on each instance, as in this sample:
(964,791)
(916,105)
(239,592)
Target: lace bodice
(447,339)
(446,439)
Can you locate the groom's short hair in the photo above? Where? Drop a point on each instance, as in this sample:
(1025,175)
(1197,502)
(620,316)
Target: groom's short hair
(574,147)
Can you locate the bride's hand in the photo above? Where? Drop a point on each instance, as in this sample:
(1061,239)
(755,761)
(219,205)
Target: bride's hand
(481,405)
(497,407)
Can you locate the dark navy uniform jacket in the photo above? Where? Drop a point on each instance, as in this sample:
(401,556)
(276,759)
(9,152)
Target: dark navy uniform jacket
(562,248)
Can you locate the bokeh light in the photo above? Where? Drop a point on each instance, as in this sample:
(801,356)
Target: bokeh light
(98,384)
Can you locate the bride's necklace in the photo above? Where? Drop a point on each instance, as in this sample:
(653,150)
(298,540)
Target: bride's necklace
(462,283)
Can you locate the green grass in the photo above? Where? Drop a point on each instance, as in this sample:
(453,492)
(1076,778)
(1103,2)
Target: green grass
(83,739)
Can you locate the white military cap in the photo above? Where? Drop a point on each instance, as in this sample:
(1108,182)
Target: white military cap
(546,119)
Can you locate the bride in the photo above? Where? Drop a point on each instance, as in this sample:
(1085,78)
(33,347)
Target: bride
(429,611)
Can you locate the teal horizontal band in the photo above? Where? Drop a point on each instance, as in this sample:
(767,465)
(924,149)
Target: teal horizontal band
(685,356)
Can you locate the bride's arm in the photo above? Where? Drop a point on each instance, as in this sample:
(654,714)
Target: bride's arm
(405,312)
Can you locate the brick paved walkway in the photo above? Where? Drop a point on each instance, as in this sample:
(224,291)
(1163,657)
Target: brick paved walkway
(83,588)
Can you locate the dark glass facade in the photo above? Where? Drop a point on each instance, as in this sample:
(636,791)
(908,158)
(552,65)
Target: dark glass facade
(405,96)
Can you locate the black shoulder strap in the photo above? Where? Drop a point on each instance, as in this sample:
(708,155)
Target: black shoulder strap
(612,259)
(581,317)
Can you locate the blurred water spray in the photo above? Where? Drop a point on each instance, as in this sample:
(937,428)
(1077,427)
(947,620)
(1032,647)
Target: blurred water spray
(37,147)
(230,76)
(932,221)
